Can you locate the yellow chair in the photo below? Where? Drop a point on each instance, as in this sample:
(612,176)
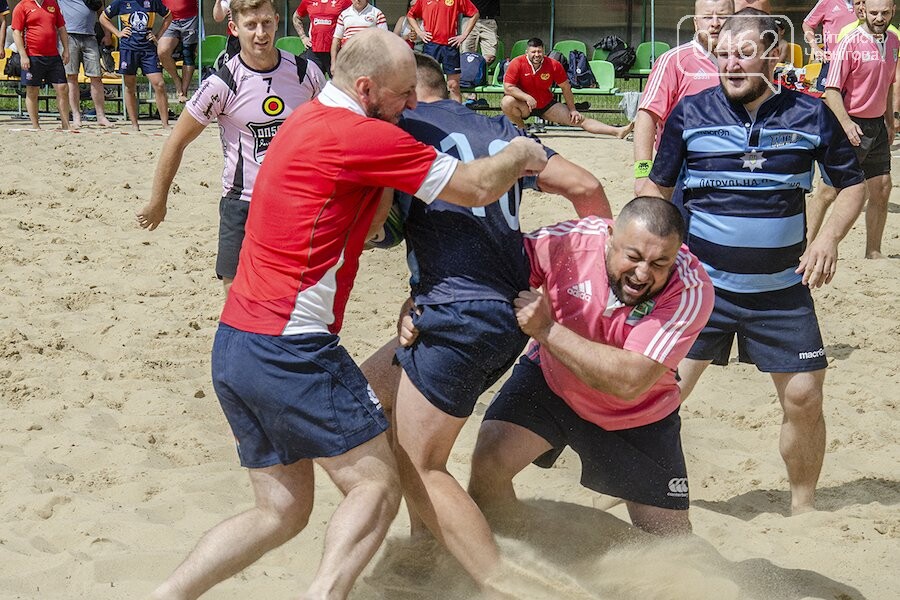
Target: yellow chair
(795,55)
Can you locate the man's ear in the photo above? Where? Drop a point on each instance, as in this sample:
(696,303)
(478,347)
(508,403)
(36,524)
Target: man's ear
(232,28)
(363,87)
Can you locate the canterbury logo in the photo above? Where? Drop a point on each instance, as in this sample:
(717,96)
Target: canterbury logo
(581,290)
(678,486)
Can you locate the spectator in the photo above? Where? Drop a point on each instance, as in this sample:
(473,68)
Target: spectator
(832,15)
(483,38)
(438,31)
(137,50)
(185,28)
(4,10)
(403,28)
(84,50)
(36,29)
(358,16)
(221,12)
(323,18)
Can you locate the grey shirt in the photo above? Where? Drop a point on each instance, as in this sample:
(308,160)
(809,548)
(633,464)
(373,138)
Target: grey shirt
(79,18)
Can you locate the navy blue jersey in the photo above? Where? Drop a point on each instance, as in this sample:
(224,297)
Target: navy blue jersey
(457,253)
(140,16)
(745,181)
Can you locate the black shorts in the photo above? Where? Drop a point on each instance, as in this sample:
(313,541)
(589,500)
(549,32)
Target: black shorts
(322,59)
(45,70)
(448,56)
(232,219)
(643,464)
(539,112)
(874,150)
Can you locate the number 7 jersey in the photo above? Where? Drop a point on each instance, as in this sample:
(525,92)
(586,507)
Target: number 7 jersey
(250,106)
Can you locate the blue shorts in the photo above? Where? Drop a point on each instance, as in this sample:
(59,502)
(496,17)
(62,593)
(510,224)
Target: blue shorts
(776,331)
(448,56)
(643,464)
(463,348)
(292,397)
(147,60)
(45,70)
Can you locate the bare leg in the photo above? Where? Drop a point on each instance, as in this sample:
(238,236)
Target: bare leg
(62,103)
(131,103)
(599,127)
(187,75)
(164,49)
(383,375)
(453,87)
(425,437)
(99,101)
(816,207)
(515,111)
(31,104)
(162,102)
(689,371)
(802,442)
(879,190)
(74,100)
(367,476)
(284,500)
(659,521)
(226,284)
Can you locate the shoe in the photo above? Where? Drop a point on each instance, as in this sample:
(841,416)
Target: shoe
(582,105)
(470,103)
(482,103)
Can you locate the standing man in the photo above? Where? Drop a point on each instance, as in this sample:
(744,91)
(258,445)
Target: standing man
(80,22)
(250,98)
(467,266)
(859,91)
(137,49)
(4,10)
(528,84)
(483,38)
(291,393)
(185,28)
(323,16)
(438,30)
(37,25)
(747,155)
(617,307)
(682,71)
(360,15)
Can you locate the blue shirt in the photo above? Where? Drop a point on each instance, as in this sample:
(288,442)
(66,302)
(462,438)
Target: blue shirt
(79,18)
(457,253)
(140,16)
(745,181)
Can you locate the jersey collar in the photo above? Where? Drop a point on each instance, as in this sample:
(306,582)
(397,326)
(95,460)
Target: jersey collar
(333,96)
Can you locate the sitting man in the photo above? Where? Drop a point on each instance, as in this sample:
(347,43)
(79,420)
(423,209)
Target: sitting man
(619,306)
(528,84)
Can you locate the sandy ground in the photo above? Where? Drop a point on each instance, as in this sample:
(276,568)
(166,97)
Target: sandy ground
(115,456)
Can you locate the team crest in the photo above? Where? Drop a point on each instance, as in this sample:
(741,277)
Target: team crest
(146,3)
(449,2)
(262,136)
(545,76)
(640,311)
(139,21)
(273,106)
(51,9)
(753,160)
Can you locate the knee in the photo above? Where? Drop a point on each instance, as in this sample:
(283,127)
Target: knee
(487,459)
(453,84)
(509,106)
(289,516)
(803,405)
(159,87)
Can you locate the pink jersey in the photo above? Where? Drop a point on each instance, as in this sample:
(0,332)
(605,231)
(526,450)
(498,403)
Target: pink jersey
(832,15)
(569,260)
(250,106)
(862,69)
(314,201)
(682,71)
(351,22)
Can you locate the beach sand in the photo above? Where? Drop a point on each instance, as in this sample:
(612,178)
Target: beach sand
(115,456)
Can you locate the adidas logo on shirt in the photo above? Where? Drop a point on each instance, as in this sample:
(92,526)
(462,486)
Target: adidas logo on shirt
(581,290)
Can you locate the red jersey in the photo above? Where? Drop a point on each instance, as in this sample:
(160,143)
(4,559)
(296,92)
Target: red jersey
(569,260)
(441,17)
(313,202)
(39,22)
(536,84)
(323,15)
(183,9)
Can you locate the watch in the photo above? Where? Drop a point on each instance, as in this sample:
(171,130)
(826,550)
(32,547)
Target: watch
(897,115)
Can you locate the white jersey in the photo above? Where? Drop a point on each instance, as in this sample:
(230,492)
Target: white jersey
(250,106)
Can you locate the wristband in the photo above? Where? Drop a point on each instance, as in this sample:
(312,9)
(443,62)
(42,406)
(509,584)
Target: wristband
(642,168)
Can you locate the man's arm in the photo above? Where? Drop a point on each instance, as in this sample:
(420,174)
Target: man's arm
(889,115)
(835,102)
(516,92)
(644,138)
(577,185)
(3,33)
(112,29)
(63,36)
(819,263)
(19,39)
(809,35)
(575,117)
(481,181)
(186,130)
(167,20)
(220,13)
(298,27)
(423,35)
(623,373)
(335,46)
(457,40)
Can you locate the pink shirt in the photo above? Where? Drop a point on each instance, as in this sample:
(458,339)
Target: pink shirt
(569,259)
(250,106)
(832,15)
(682,71)
(863,69)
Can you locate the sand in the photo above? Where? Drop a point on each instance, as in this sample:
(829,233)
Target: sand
(115,456)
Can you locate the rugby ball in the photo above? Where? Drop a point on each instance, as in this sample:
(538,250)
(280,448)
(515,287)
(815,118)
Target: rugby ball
(391,232)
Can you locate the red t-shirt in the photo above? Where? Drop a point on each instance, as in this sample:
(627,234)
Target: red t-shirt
(313,202)
(440,17)
(536,84)
(39,22)
(323,16)
(183,9)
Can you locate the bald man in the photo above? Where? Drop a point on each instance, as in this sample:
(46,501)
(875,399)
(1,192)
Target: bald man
(291,393)
(762,5)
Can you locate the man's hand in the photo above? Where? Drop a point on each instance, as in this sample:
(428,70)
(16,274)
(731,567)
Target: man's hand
(854,133)
(819,263)
(151,36)
(406,331)
(65,57)
(25,61)
(125,32)
(456,41)
(818,54)
(426,37)
(530,101)
(575,117)
(891,126)
(535,153)
(533,313)
(151,215)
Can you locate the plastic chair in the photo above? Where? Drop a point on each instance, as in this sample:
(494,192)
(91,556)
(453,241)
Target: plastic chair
(210,48)
(518,49)
(600,54)
(292,44)
(605,74)
(566,46)
(643,54)
(795,55)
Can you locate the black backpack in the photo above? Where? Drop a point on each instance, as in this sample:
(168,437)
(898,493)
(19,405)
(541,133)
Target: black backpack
(611,43)
(558,57)
(13,66)
(579,71)
(473,70)
(501,69)
(622,60)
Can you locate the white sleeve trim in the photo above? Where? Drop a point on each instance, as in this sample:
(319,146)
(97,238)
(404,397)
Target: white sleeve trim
(438,177)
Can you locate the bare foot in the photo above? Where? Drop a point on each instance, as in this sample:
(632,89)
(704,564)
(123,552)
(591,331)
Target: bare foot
(182,98)
(625,130)
(801,509)
(874,254)
(104,122)
(135,127)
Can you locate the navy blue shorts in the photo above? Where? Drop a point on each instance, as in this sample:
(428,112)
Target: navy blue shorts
(448,56)
(776,331)
(147,60)
(45,70)
(232,223)
(292,397)
(643,464)
(463,348)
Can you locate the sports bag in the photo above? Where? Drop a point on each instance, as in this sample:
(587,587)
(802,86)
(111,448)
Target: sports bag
(473,70)
(579,71)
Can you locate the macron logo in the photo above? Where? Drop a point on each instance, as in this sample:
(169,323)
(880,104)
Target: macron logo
(814,354)
(581,290)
